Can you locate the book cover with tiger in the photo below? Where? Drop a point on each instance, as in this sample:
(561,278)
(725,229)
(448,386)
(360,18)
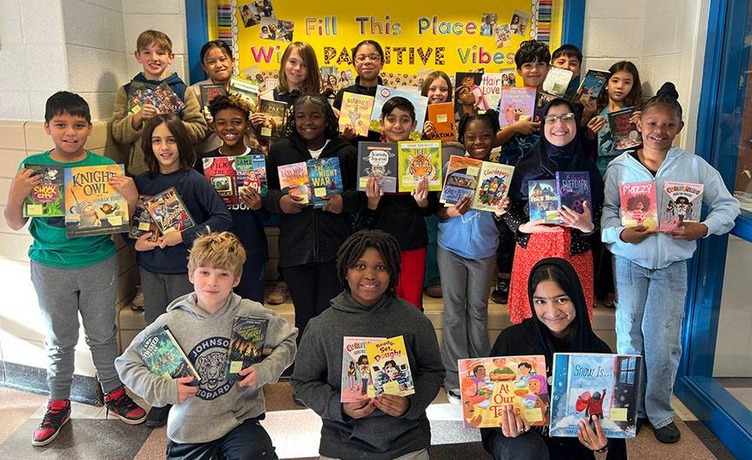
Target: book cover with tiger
(418,160)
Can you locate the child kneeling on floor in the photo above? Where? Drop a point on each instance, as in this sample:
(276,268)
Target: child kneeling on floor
(220,416)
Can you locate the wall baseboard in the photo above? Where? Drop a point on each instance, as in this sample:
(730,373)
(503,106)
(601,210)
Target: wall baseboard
(34,380)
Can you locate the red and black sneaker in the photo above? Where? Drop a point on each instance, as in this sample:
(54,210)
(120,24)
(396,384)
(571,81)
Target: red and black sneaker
(58,414)
(121,405)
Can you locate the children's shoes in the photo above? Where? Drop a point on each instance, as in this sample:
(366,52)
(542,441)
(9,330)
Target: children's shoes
(122,406)
(57,415)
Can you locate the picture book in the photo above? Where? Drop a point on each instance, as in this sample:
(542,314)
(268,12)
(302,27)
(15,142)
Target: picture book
(92,205)
(356,112)
(573,188)
(251,172)
(487,385)
(623,132)
(557,80)
(638,205)
(325,176)
(246,343)
(357,383)
(543,201)
(493,186)
(293,179)
(468,95)
(516,104)
(163,356)
(587,384)
(221,174)
(492,84)
(384,93)
(592,84)
(379,160)
(418,160)
(680,202)
(442,117)
(169,211)
(46,198)
(508,77)
(247,89)
(390,369)
(141,222)
(541,99)
(160,96)
(209,93)
(275,118)
(461,178)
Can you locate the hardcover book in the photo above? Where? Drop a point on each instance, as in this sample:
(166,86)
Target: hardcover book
(493,186)
(604,385)
(592,84)
(357,383)
(379,160)
(516,104)
(390,369)
(492,83)
(487,385)
(275,118)
(420,103)
(557,80)
(356,112)
(442,117)
(680,202)
(461,178)
(325,176)
(92,205)
(210,92)
(638,205)
(46,198)
(169,211)
(293,179)
(246,343)
(251,172)
(160,96)
(541,99)
(623,132)
(221,174)
(141,222)
(418,160)
(543,202)
(573,188)
(247,89)
(468,95)
(163,356)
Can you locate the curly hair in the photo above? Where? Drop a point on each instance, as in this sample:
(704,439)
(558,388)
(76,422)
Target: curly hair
(490,117)
(186,153)
(332,124)
(217,250)
(354,247)
(633,201)
(230,101)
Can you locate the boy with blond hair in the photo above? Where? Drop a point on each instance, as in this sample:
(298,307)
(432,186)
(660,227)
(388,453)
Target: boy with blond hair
(220,414)
(154,53)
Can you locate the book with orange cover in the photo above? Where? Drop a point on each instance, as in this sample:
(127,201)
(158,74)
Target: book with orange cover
(442,117)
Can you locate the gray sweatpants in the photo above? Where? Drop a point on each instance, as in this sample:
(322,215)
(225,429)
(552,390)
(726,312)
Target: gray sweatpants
(160,289)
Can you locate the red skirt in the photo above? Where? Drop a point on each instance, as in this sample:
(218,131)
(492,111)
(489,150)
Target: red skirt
(541,246)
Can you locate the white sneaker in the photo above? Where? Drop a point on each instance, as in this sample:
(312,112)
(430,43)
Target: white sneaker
(454,397)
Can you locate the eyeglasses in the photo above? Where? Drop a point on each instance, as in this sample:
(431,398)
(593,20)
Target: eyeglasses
(370,57)
(565,118)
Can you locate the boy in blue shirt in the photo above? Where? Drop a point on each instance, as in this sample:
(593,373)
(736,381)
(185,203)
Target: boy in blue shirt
(72,276)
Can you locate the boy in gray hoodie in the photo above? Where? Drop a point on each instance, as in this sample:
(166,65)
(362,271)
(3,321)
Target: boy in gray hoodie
(220,415)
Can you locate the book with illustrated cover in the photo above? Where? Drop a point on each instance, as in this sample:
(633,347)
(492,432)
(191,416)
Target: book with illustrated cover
(325,177)
(592,84)
(493,186)
(251,172)
(418,160)
(541,99)
(384,93)
(142,223)
(390,368)
(624,133)
(247,89)
(92,205)
(169,211)
(246,343)
(293,179)
(160,96)
(487,385)
(210,92)
(275,118)
(680,202)
(638,205)
(46,198)
(356,112)
(461,178)
(516,104)
(468,95)
(379,160)
(587,384)
(221,174)
(357,383)
(543,201)
(508,77)
(442,117)
(162,354)
(492,83)
(573,188)
(557,80)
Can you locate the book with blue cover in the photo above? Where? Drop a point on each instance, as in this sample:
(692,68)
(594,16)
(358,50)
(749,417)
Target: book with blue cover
(162,354)
(420,103)
(543,201)
(325,177)
(573,188)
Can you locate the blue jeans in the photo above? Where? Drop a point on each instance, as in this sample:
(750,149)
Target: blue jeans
(649,314)
(247,441)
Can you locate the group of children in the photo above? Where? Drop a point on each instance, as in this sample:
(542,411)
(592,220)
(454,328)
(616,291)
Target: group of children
(381,269)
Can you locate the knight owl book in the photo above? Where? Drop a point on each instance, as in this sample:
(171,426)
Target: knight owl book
(420,104)
(92,205)
(487,385)
(390,368)
(379,160)
(461,178)
(275,118)
(163,356)
(442,117)
(418,160)
(543,201)
(493,186)
(573,188)
(680,202)
(623,132)
(357,383)
(592,84)
(557,80)
(251,172)
(246,343)
(221,174)
(516,104)
(141,222)
(46,198)
(293,179)
(169,212)
(356,112)
(591,384)
(638,205)
(325,176)
(247,89)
